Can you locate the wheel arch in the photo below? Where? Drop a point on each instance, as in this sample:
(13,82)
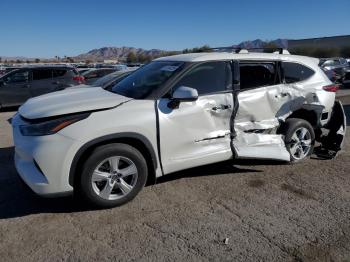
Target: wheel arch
(136,140)
(311,115)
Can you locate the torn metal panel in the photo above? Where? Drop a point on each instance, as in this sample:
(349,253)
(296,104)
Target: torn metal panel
(261,112)
(262,146)
(333,141)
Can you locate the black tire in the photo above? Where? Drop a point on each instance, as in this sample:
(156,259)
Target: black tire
(289,128)
(84,188)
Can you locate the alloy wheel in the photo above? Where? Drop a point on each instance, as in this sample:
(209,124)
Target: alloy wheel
(114,177)
(301,143)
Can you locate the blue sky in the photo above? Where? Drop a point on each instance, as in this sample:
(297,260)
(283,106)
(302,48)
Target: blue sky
(39,28)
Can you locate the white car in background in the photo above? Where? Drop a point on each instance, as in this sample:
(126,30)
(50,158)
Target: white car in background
(175,113)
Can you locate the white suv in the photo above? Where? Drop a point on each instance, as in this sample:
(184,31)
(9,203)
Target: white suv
(175,113)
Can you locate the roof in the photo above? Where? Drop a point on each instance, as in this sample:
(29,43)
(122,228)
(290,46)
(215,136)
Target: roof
(44,66)
(214,56)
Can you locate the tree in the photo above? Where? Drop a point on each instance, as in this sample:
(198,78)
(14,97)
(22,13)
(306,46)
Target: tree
(131,58)
(270,47)
(141,58)
(70,59)
(0,59)
(37,60)
(204,48)
(345,52)
(18,61)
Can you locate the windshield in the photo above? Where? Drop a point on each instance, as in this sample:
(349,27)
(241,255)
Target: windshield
(147,79)
(105,79)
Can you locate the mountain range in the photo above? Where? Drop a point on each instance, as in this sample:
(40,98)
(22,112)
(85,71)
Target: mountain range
(117,53)
(106,53)
(120,53)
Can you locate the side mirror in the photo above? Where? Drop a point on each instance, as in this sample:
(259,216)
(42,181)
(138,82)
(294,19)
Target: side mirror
(183,94)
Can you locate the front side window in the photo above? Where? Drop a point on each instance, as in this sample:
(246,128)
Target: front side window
(294,72)
(148,79)
(208,78)
(17,77)
(258,74)
(41,74)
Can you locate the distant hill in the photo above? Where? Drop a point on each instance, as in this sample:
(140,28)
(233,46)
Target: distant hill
(117,53)
(258,43)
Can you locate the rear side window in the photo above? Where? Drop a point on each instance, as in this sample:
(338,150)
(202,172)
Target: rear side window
(41,74)
(294,72)
(59,72)
(208,78)
(258,74)
(71,72)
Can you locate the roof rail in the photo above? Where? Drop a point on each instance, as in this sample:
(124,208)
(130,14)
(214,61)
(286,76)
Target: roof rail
(240,50)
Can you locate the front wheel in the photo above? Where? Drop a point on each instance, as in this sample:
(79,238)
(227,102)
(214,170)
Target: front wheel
(299,139)
(112,176)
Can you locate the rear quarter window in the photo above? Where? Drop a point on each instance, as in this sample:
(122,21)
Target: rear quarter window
(41,74)
(294,72)
(59,72)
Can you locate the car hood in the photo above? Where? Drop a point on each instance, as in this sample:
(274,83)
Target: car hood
(69,101)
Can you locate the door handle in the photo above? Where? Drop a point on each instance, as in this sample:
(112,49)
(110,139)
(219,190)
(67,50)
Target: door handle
(221,107)
(284,94)
(281,95)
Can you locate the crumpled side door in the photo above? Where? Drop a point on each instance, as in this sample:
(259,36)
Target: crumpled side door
(257,120)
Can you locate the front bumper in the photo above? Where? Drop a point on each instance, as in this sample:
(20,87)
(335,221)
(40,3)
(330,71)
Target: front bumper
(43,161)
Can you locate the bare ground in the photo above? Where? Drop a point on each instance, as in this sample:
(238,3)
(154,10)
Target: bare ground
(268,211)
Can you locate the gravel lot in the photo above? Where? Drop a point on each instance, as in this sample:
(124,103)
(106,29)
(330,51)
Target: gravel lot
(268,211)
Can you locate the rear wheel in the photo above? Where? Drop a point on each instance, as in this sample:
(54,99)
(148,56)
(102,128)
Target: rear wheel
(113,175)
(299,138)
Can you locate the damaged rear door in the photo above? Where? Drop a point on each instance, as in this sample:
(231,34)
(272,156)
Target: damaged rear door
(262,95)
(198,132)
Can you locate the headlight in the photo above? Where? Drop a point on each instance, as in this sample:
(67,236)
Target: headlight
(52,126)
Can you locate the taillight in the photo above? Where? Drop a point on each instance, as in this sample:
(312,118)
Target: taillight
(331,88)
(79,79)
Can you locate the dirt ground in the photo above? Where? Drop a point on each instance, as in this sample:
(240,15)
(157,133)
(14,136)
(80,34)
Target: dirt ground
(266,211)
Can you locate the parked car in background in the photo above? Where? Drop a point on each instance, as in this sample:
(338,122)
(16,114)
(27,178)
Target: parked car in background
(332,75)
(108,81)
(339,65)
(120,67)
(5,70)
(93,74)
(83,70)
(2,70)
(29,81)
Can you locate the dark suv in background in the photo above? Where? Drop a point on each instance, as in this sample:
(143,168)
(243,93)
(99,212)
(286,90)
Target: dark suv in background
(21,84)
(338,66)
